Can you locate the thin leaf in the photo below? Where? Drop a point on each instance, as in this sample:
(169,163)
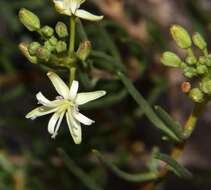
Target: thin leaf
(143,177)
(179,170)
(143,104)
(78,172)
(168,120)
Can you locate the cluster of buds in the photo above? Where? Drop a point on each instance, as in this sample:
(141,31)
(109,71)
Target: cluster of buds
(193,67)
(53,47)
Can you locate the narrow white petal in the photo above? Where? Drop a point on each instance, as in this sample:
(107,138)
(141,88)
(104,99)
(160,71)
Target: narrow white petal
(73,90)
(83,98)
(52,123)
(82,118)
(74,127)
(62,8)
(40,111)
(86,15)
(42,99)
(58,124)
(59,84)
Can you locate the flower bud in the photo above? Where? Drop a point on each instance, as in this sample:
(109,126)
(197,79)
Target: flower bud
(190,72)
(84,50)
(61,47)
(53,41)
(61,30)
(33,48)
(206,86)
(208,62)
(24,49)
(47,31)
(29,20)
(196,95)
(43,54)
(202,60)
(199,41)
(202,69)
(191,60)
(181,37)
(170,59)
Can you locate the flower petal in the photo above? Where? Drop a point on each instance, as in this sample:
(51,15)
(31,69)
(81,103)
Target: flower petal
(40,111)
(58,124)
(62,8)
(83,98)
(82,118)
(44,101)
(86,15)
(73,90)
(59,84)
(54,123)
(74,127)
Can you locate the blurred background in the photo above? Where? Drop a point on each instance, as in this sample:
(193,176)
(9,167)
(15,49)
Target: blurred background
(138,31)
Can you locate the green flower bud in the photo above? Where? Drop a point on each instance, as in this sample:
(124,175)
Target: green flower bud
(206,86)
(84,50)
(53,41)
(170,59)
(208,62)
(47,31)
(202,69)
(181,36)
(43,54)
(33,48)
(61,47)
(61,30)
(49,46)
(190,72)
(199,41)
(196,95)
(24,49)
(202,60)
(29,20)
(191,60)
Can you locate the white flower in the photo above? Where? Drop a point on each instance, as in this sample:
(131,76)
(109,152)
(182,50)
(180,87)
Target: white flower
(65,104)
(71,7)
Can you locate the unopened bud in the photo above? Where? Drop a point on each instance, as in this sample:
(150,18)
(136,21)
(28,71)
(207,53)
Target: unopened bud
(206,86)
(24,49)
(199,41)
(61,30)
(84,50)
(181,37)
(29,20)
(61,47)
(170,59)
(197,95)
(43,54)
(202,69)
(33,48)
(47,31)
(190,72)
(191,60)
(202,60)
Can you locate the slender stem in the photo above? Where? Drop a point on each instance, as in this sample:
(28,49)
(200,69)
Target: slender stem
(72,35)
(177,150)
(72,73)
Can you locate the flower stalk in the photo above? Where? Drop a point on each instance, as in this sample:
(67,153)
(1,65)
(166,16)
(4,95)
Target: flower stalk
(72,35)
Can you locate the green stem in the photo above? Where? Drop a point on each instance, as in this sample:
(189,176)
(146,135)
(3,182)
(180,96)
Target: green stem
(72,75)
(72,35)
